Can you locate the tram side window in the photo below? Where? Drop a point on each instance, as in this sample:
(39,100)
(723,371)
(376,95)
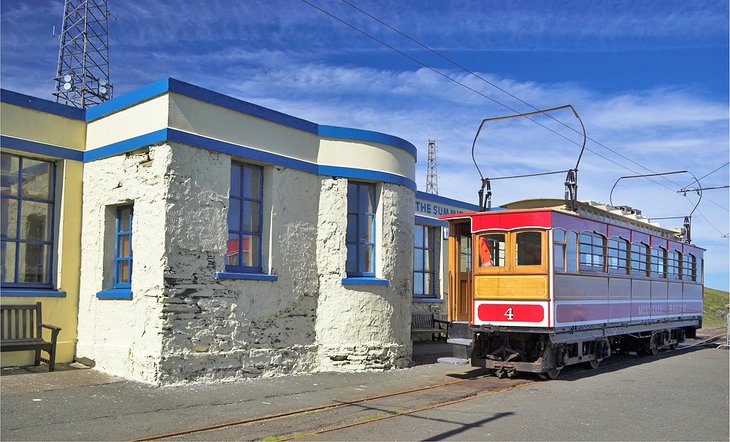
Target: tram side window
(658,262)
(674,265)
(491,250)
(639,259)
(528,248)
(559,250)
(689,267)
(618,256)
(571,252)
(591,252)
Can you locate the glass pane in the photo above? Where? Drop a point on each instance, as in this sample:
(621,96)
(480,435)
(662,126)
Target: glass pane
(351,198)
(351,258)
(250,251)
(9,168)
(558,235)
(571,258)
(234,214)
(9,219)
(123,247)
(427,260)
(232,249)
(7,261)
(418,283)
(491,250)
(123,272)
(351,228)
(33,263)
(365,229)
(252,182)
(418,237)
(418,259)
(529,248)
(34,221)
(427,234)
(235,180)
(251,217)
(427,286)
(36,179)
(125,218)
(366,259)
(559,257)
(365,197)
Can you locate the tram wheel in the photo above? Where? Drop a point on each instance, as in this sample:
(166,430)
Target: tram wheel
(594,363)
(553,373)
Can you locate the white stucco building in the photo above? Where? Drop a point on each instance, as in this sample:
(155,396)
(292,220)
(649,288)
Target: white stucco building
(221,240)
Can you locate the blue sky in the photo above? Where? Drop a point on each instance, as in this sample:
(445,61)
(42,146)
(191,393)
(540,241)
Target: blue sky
(649,79)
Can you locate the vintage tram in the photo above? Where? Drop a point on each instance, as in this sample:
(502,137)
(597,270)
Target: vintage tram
(534,287)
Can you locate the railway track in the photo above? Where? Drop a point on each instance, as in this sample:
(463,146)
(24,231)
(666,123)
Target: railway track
(339,415)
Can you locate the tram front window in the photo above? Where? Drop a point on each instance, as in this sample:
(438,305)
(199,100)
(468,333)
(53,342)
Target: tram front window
(528,247)
(491,250)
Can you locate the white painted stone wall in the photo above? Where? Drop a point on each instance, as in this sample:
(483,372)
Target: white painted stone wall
(185,325)
(365,326)
(124,337)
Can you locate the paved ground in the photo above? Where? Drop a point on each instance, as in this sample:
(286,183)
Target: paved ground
(678,397)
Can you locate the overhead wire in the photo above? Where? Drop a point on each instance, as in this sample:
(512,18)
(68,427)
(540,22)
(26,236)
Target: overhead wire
(453,80)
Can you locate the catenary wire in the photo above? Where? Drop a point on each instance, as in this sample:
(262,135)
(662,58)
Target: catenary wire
(444,57)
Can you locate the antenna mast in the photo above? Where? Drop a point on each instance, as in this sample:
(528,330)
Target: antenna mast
(82,77)
(432,179)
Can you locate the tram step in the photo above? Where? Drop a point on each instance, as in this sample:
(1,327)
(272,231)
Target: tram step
(459,341)
(452,361)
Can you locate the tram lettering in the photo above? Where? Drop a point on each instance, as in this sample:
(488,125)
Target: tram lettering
(509,314)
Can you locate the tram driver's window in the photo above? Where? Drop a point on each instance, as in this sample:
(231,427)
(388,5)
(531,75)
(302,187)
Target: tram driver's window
(528,248)
(491,250)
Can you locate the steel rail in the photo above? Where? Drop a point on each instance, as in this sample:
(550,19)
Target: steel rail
(329,406)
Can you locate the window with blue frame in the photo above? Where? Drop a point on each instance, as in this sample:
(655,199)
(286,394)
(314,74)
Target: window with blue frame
(424,256)
(123,248)
(360,238)
(26,221)
(245,219)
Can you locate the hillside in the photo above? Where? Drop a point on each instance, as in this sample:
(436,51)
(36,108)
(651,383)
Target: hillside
(715,309)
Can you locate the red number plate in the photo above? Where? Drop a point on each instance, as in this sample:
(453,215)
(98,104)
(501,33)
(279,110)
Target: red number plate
(510,313)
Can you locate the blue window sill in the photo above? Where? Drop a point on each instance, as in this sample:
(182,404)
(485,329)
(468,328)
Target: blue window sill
(364,281)
(32,293)
(424,299)
(248,276)
(115,294)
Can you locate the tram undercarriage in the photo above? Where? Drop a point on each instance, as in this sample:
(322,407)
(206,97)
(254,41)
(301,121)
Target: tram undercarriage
(545,352)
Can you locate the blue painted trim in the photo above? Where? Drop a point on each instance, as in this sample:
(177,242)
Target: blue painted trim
(39,104)
(127,100)
(432,300)
(41,148)
(371,175)
(115,294)
(367,135)
(127,145)
(237,150)
(218,99)
(430,221)
(364,281)
(248,276)
(32,293)
(449,201)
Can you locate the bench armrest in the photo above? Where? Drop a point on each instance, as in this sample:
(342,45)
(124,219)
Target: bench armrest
(439,321)
(54,332)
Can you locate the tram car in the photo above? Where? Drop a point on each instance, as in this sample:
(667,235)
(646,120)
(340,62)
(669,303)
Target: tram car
(534,287)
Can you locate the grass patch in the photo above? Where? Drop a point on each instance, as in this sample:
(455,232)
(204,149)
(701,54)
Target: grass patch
(715,310)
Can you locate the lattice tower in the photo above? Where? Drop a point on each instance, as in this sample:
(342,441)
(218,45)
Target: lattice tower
(432,179)
(82,78)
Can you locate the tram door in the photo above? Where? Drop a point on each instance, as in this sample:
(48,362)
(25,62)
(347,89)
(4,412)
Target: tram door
(460,257)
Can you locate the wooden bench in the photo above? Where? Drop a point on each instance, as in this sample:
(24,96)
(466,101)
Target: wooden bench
(427,323)
(21,328)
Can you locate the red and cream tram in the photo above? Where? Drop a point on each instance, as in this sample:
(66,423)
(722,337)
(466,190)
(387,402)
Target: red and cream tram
(536,287)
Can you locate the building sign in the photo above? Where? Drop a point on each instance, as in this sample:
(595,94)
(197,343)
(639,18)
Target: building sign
(433,209)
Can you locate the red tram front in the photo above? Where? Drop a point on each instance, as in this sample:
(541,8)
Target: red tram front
(535,287)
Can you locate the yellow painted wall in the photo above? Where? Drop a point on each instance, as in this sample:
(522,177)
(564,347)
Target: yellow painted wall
(42,127)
